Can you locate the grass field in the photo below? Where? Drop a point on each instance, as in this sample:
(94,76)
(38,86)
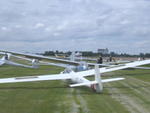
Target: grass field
(129,96)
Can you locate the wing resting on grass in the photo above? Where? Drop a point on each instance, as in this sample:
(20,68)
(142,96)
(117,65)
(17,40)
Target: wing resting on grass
(141,67)
(17,64)
(115,68)
(42,57)
(2,62)
(35,78)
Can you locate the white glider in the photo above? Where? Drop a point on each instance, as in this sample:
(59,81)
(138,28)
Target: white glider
(5,60)
(71,61)
(78,78)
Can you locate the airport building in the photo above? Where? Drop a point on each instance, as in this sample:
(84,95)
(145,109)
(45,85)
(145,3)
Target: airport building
(103,51)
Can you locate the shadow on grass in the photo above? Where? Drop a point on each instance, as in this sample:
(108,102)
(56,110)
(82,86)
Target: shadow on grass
(125,87)
(137,74)
(33,88)
(123,91)
(83,90)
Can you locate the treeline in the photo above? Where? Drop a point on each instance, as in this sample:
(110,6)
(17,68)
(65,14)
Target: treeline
(53,53)
(95,54)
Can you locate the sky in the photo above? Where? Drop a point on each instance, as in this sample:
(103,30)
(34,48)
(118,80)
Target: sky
(122,26)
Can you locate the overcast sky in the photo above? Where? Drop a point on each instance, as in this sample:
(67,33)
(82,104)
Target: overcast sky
(39,25)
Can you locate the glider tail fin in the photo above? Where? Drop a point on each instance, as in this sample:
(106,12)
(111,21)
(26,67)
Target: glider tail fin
(35,63)
(72,56)
(96,85)
(99,86)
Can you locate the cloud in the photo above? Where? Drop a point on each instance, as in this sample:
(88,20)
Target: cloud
(39,25)
(4,28)
(75,25)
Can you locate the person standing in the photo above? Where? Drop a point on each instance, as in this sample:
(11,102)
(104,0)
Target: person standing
(100,60)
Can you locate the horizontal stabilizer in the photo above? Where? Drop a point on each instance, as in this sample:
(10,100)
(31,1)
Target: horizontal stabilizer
(84,84)
(95,82)
(93,64)
(112,80)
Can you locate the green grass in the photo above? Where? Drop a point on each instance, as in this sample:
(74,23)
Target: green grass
(57,97)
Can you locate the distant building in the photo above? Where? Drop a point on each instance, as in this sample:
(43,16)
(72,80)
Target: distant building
(103,51)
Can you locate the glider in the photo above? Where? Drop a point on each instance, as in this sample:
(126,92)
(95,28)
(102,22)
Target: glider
(64,61)
(78,78)
(6,60)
